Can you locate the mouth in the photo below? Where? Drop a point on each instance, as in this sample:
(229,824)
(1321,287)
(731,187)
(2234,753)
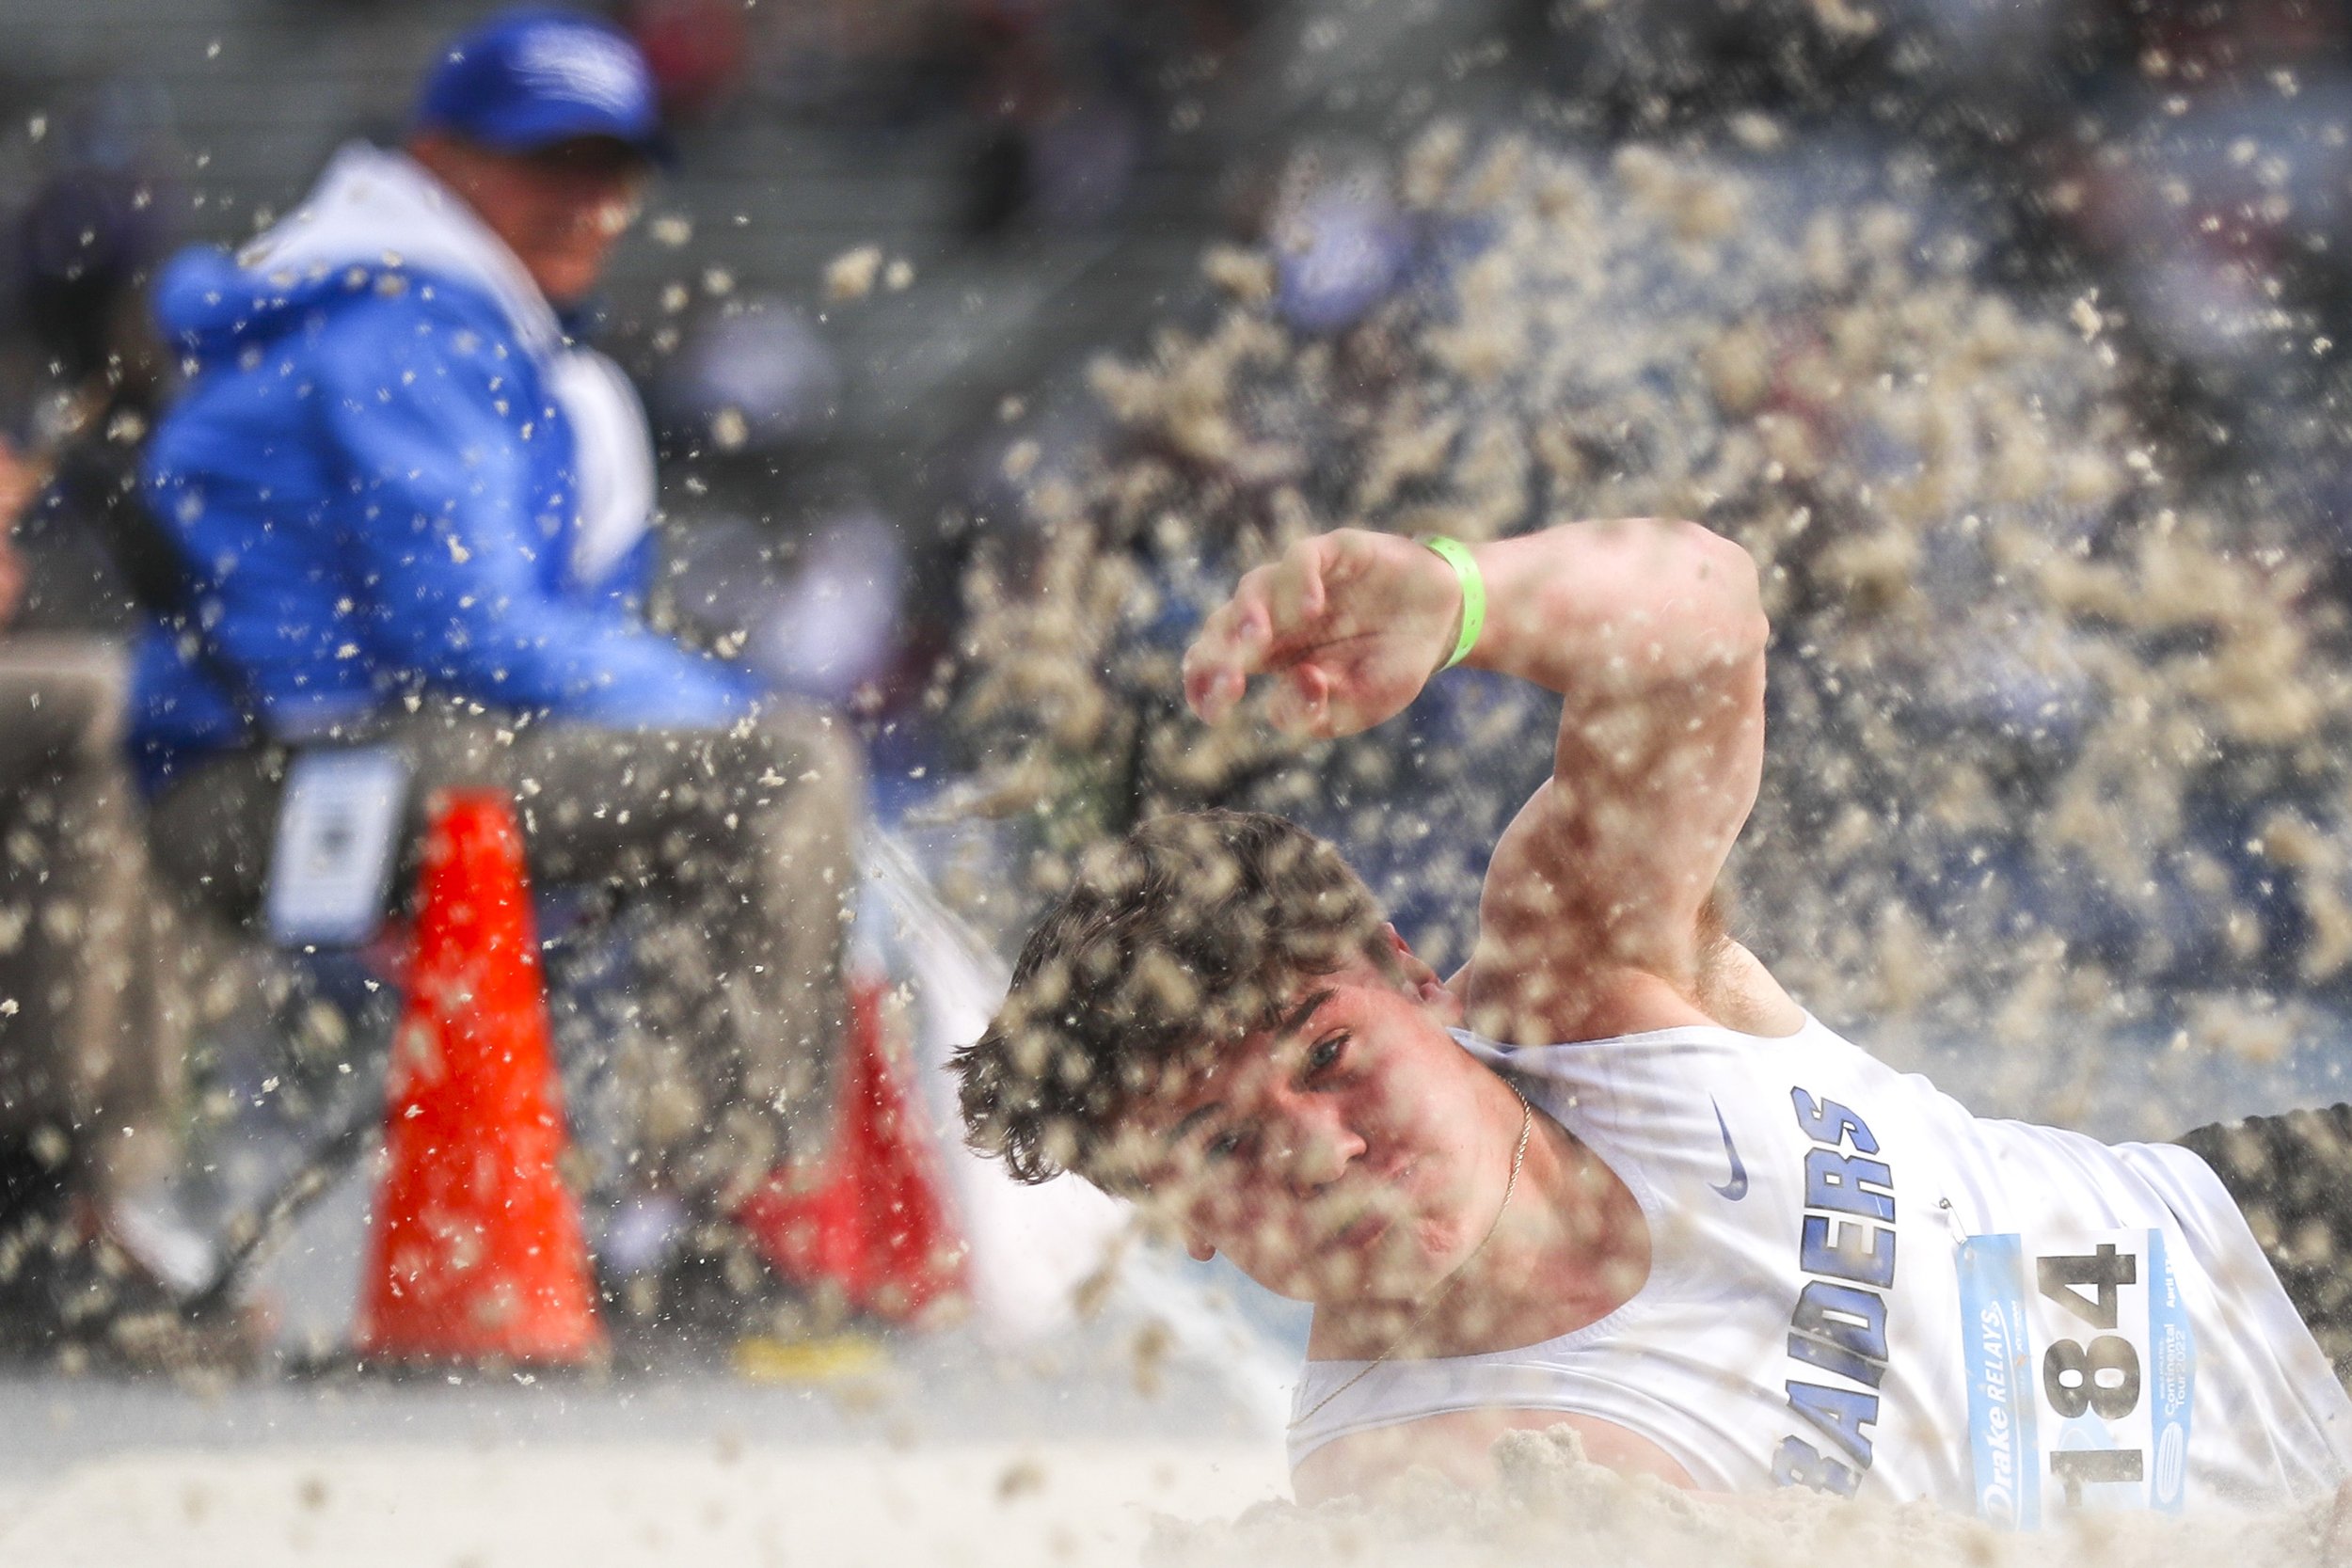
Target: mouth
(1382,1209)
(1360,1233)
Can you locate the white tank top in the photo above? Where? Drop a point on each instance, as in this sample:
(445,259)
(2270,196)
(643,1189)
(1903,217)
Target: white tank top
(1856,1284)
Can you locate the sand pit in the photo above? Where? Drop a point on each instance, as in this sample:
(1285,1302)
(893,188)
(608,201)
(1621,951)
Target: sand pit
(1552,1509)
(1164,1506)
(712,1506)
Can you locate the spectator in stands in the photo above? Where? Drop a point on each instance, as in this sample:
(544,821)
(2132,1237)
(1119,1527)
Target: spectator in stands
(85,248)
(413,511)
(90,1016)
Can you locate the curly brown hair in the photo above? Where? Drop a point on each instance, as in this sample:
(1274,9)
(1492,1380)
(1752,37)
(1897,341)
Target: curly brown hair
(1173,941)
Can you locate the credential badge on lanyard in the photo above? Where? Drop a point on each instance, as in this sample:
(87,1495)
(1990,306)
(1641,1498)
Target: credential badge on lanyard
(2081,1368)
(337,825)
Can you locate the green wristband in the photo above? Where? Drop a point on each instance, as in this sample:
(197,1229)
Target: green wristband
(1457,555)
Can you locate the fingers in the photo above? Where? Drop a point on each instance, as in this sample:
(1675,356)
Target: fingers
(1301,704)
(1231,648)
(1294,587)
(1274,609)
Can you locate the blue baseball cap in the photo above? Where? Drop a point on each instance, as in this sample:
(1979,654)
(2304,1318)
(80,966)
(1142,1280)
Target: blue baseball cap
(536,75)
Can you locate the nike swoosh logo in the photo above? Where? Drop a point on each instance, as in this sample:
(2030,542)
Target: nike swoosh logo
(1736,1188)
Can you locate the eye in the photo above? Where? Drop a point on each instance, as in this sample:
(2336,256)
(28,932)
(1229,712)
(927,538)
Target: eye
(1224,1146)
(1325,1054)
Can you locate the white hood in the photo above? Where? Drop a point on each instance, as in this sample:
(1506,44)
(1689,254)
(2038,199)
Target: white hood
(375,208)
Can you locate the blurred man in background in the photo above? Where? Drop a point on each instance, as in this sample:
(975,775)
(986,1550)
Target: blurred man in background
(413,513)
(92,1018)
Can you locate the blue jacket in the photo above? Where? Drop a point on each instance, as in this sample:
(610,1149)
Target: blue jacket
(373,489)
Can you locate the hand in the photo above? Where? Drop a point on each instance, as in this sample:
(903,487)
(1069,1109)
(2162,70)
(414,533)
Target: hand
(22,479)
(21,484)
(12,581)
(1353,623)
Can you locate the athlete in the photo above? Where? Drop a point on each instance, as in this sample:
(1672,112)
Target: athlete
(1609,1175)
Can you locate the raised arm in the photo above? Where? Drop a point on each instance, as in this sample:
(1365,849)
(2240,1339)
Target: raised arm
(1653,634)
(1595,912)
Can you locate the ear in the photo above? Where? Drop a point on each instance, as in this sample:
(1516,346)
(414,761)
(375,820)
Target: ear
(1421,982)
(1417,977)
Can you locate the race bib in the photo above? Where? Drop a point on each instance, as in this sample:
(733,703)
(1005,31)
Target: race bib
(337,826)
(2081,1367)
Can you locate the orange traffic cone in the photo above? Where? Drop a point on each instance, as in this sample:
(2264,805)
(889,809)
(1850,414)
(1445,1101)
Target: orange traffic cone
(477,1252)
(870,1220)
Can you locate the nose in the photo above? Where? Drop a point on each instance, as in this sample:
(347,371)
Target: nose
(1322,1145)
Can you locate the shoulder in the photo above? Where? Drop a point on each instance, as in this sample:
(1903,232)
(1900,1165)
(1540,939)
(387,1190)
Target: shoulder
(412,321)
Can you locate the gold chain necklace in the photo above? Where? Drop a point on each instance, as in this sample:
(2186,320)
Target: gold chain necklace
(1445,1286)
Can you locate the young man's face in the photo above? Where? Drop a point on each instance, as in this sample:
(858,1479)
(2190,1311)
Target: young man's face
(1347,1154)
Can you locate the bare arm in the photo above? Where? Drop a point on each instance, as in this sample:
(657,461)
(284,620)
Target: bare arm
(1654,635)
(1603,612)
